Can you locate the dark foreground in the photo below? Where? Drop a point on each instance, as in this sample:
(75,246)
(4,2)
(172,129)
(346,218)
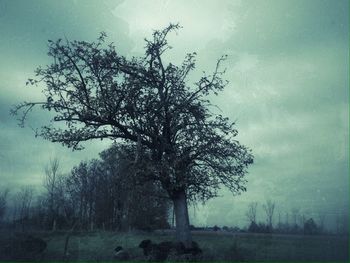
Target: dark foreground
(218,246)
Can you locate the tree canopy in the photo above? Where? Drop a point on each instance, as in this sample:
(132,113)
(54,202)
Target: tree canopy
(98,93)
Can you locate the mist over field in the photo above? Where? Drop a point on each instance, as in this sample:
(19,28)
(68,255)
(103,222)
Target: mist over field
(288,92)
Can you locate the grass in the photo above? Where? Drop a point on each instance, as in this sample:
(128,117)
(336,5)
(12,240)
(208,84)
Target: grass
(99,246)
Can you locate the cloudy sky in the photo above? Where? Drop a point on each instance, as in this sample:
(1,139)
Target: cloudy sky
(288,68)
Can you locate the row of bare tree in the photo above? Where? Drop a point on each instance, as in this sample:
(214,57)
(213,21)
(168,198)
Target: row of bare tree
(294,222)
(101,193)
(3,203)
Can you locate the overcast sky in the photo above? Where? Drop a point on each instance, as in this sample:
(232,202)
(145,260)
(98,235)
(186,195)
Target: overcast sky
(288,68)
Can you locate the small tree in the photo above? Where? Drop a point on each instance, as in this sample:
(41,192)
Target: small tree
(269,208)
(52,183)
(96,93)
(3,203)
(251,212)
(295,214)
(321,220)
(310,227)
(24,203)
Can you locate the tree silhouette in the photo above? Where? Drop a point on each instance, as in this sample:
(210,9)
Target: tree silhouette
(310,227)
(52,183)
(3,203)
(96,93)
(251,212)
(269,208)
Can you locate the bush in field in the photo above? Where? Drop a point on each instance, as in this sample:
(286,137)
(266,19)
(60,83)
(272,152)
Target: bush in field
(259,228)
(310,227)
(253,227)
(216,228)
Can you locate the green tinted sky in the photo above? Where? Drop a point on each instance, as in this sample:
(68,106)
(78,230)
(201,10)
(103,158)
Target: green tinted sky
(288,69)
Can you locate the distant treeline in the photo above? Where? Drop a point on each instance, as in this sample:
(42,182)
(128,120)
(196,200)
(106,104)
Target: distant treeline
(109,193)
(294,222)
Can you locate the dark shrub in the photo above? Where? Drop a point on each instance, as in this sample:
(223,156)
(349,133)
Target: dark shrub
(216,228)
(146,245)
(253,227)
(310,227)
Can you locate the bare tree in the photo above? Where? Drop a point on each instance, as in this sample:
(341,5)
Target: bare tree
(269,208)
(321,220)
(295,214)
(178,139)
(287,219)
(51,182)
(279,220)
(342,223)
(251,212)
(24,202)
(3,203)
(302,219)
(337,223)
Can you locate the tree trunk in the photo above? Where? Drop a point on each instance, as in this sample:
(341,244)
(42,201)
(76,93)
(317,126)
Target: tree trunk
(173,218)
(183,232)
(54,225)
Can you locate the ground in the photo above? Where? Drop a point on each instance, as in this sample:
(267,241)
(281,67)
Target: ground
(99,246)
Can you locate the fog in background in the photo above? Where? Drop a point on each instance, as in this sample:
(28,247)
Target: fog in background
(288,67)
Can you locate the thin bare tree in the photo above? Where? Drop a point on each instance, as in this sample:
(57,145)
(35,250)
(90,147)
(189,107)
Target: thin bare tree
(3,203)
(24,202)
(51,181)
(251,212)
(269,208)
(302,220)
(295,213)
(321,219)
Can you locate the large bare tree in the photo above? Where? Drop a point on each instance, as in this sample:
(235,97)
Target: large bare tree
(96,93)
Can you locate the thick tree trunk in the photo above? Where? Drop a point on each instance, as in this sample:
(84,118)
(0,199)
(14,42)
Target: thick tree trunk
(183,232)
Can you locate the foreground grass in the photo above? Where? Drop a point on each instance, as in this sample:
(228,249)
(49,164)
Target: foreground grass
(99,246)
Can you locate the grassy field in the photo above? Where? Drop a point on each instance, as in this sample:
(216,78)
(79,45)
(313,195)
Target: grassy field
(218,246)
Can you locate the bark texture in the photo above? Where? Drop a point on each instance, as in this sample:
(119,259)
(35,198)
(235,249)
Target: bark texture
(183,232)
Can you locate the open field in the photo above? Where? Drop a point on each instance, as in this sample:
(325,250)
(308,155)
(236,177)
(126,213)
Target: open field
(99,246)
